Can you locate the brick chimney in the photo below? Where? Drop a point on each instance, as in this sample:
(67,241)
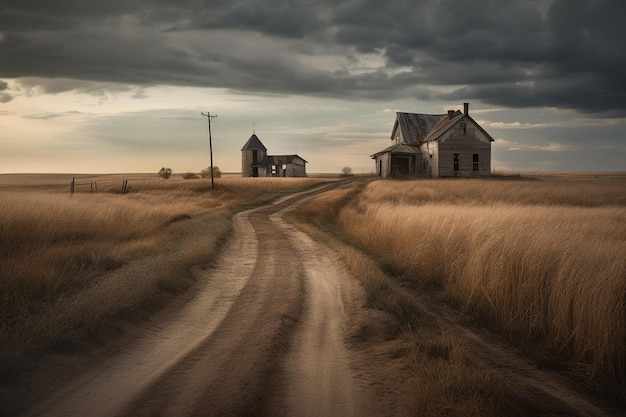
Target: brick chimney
(451,114)
(466,108)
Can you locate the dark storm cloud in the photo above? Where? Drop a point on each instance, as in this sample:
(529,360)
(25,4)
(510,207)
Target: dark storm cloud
(562,53)
(279,18)
(4,96)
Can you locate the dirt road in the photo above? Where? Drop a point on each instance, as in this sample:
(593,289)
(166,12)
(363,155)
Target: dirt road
(263,335)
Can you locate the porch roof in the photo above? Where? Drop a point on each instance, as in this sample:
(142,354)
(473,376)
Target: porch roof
(399,148)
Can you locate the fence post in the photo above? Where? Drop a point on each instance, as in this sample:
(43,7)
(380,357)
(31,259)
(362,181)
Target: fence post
(72,186)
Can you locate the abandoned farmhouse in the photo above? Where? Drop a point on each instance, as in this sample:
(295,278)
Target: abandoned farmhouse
(255,162)
(436,145)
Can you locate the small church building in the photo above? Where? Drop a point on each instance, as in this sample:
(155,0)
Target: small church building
(436,145)
(255,162)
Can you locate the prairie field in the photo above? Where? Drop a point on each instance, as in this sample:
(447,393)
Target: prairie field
(540,259)
(70,265)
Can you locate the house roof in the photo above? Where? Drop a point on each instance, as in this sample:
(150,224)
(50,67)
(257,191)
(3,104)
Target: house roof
(414,127)
(443,125)
(398,148)
(253,143)
(448,122)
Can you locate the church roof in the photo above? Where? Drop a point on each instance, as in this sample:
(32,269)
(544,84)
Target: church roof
(284,159)
(253,143)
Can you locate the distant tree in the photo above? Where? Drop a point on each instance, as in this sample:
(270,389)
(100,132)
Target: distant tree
(165,173)
(206,173)
(346,171)
(189,176)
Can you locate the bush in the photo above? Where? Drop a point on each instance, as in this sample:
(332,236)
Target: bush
(346,171)
(206,173)
(189,176)
(165,173)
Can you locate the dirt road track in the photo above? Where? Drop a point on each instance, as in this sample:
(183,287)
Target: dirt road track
(263,335)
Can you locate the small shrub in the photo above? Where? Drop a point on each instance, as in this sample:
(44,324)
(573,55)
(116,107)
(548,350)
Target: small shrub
(206,173)
(189,176)
(346,171)
(165,173)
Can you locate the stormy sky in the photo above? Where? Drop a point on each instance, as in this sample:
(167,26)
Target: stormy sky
(118,85)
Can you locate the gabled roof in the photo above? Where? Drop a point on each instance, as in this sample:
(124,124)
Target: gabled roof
(467,116)
(253,143)
(414,127)
(284,159)
(401,148)
(447,123)
(444,124)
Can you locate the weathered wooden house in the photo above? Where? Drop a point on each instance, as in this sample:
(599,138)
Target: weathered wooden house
(436,145)
(255,162)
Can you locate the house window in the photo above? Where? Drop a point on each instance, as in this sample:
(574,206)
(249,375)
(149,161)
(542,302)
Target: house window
(475,162)
(456,162)
(255,157)
(463,128)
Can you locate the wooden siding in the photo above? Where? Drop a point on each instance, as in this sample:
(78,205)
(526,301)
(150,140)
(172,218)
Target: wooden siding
(248,164)
(296,169)
(465,147)
(430,159)
(397,136)
(383,165)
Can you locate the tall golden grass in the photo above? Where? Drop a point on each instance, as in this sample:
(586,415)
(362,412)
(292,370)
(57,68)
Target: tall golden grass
(444,380)
(543,259)
(69,264)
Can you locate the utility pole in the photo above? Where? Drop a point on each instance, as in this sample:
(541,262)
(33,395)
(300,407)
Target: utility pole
(209,117)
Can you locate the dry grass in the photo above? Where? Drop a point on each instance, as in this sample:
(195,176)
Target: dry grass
(443,381)
(72,265)
(540,259)
(543,259)
(445,384)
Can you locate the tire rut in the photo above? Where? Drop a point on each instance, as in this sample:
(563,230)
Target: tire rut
(258,337)
(233,372)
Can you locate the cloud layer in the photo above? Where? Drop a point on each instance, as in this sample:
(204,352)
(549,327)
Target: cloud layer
(535,53)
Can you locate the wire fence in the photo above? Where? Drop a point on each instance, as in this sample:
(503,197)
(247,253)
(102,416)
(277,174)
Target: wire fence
(92,186)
